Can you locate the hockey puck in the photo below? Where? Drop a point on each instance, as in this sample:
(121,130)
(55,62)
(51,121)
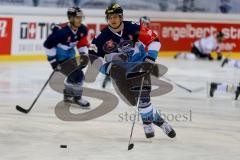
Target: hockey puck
(63,146)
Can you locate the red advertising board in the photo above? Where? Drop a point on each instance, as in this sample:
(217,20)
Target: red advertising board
(174,36)
(5,36)
(179,36)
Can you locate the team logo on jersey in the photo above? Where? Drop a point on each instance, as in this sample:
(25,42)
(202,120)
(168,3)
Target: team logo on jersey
(109,43)
(126,47)
(110,46)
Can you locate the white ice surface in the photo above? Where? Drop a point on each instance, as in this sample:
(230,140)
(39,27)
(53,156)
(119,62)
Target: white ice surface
(212,133)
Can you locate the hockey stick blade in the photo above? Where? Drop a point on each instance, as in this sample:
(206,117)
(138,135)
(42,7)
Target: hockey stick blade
(130,146)
(20,109)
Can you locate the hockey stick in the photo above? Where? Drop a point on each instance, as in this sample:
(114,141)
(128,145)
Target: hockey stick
(184,88)
(130,143)
(20,109)
(179,85)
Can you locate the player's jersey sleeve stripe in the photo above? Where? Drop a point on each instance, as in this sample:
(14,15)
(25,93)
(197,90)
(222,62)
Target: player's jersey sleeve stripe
(83,50)
(64,47)
(51,52)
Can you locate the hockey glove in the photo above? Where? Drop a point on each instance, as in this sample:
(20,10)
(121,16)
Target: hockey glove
(53,62)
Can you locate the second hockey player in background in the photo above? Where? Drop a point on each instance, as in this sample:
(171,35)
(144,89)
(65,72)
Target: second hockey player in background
(60,49)
(202,48)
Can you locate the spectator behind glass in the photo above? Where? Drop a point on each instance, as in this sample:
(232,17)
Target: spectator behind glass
(225,6)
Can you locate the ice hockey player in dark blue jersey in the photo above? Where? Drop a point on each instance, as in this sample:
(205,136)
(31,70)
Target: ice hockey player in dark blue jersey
(128,42)
(145,21)
(60,49)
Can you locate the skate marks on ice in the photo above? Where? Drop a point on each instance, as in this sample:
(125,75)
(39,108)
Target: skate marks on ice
(212,135)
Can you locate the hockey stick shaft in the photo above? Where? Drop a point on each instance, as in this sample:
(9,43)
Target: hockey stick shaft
(35,100)
(179,85)
(130,145)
